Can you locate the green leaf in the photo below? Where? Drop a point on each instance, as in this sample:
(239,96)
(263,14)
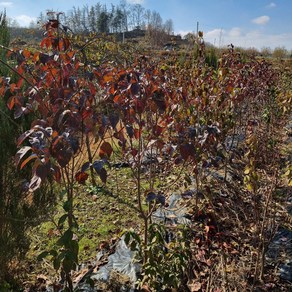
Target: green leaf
(66,206)
(56,263)
(127,237)
(62,194)
(66,238)
(62,219)
(133,245)
(90,282)
(53,252)
(136,237)
(67,264)
(74,250)
(42,255)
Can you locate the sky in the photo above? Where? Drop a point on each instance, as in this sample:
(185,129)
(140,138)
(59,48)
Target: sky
(244,23)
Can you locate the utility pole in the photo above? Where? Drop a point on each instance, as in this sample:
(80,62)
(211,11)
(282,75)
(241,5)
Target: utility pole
(197,29)
(197,38)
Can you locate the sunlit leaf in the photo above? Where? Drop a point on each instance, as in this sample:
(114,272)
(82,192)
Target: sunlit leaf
(21,153)
(81,177)
(35,183)
(31,157)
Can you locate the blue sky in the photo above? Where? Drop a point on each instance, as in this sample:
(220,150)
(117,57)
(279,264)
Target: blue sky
(245,23)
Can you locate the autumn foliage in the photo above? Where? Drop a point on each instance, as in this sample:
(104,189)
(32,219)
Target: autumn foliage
(178,114)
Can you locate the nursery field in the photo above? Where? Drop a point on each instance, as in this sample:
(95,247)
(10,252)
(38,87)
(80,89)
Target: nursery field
(131,169)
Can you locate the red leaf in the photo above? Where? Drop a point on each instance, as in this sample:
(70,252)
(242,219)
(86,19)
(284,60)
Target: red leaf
(42,170)
(20,70)
(134,152)
(19,83)
(117,98)
(137,133)
(54,23)
(105,150)
(81,177)
(57,173)
(157,130)
(92,89)
(86,113)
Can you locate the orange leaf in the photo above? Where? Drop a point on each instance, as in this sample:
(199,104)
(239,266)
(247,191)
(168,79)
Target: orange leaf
(19,83)
(12,87)
(108,77)
(11,102)
(26,53)
(33,156)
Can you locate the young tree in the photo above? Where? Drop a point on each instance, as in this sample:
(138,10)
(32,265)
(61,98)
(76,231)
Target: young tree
(92,20)
(4,31)
(103,22)
(4,40)
(17,213)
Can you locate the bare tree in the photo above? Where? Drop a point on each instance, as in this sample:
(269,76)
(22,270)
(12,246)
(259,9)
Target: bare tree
(168,26)
(280,53)
(137,15)
(155,30)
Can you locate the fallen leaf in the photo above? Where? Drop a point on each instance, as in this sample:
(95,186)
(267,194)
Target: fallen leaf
(194,286)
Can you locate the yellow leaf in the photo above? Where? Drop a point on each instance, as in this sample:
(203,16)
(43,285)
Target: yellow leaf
(247,170)
(249,187)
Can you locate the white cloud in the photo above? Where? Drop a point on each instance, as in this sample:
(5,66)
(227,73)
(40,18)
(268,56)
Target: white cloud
(248,39)
(271,5)
(235,32)
(6,4)
(215,36)
(215,33)
(262,20)
(24,20)
(183,32)
(135,1)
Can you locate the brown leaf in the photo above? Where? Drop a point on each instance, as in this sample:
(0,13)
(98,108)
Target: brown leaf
(187,150)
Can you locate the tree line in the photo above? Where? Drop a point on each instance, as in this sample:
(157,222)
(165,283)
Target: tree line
(120,18)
